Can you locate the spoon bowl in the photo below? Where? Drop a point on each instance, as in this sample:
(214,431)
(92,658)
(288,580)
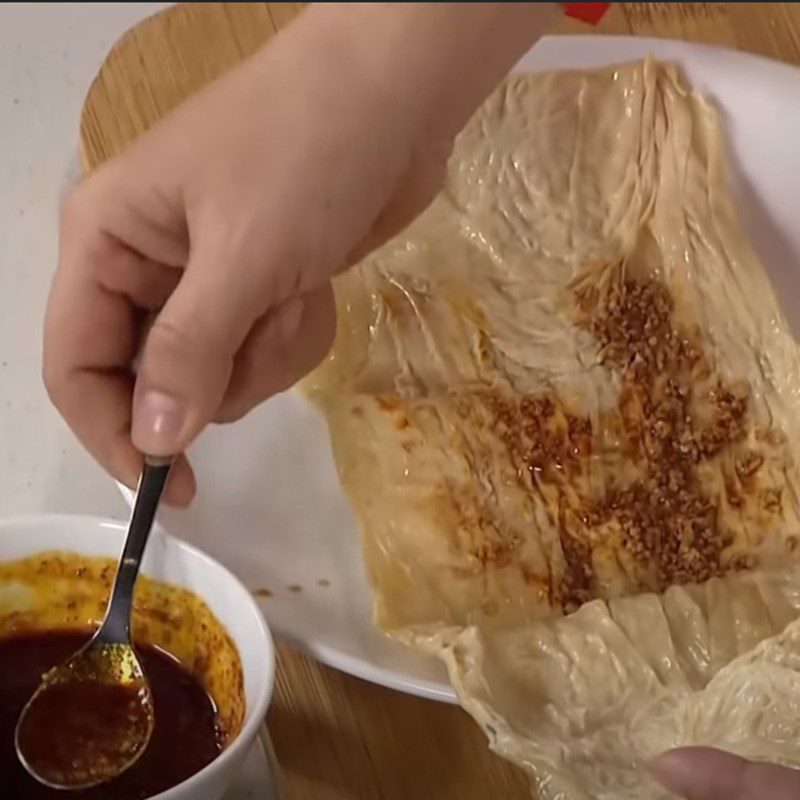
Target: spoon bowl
(91,718)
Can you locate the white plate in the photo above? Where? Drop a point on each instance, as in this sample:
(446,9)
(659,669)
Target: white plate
(270,507)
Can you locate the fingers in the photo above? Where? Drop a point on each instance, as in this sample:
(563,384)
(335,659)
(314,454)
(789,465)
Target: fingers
(700,773)
(94,323)
(188,358)
(86,374)
(282,347)
(91,336)
(89,340)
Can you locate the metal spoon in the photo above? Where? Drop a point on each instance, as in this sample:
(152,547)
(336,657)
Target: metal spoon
(92,717)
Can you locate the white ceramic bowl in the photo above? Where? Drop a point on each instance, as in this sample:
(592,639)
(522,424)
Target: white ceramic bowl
(173,561)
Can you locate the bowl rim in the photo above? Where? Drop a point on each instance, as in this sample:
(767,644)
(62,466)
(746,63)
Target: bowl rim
(254,714)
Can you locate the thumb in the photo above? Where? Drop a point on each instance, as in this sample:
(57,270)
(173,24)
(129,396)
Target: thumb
(188,357)
(701,773)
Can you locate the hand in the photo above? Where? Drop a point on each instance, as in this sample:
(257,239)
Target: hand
(228,219)
(699,773)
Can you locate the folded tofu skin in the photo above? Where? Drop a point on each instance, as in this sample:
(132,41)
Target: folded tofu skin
(565,407)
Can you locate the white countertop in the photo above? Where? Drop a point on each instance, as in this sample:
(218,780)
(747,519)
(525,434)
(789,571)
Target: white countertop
(49,54)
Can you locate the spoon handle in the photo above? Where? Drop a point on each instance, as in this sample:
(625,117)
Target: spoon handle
(116,625)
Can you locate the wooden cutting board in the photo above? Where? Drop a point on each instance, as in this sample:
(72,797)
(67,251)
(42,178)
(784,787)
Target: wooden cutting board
(336,737)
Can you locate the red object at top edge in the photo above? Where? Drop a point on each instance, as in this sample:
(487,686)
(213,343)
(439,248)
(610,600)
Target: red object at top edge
(586,12)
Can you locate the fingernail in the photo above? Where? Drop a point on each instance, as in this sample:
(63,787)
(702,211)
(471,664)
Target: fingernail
(158,421)
(673,771)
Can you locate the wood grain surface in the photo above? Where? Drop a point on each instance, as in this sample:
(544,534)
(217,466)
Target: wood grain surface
(336,737)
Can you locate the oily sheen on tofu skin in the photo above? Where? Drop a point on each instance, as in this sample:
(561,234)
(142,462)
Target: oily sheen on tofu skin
(563,405)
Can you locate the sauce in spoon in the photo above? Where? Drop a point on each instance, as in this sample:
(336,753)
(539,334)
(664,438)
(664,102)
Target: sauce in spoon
(93,715)
(186,735)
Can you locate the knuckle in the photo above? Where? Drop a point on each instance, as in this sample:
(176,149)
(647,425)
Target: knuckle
(179,352)
(167,336)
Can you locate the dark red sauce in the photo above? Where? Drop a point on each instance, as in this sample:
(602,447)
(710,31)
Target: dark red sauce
(185,737)
(82,733)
